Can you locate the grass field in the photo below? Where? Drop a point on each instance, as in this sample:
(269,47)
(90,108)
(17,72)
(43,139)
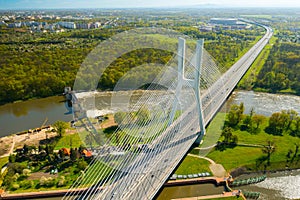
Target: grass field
(214,130)
(238,156)
(192,165)
(68,141)
(3,161)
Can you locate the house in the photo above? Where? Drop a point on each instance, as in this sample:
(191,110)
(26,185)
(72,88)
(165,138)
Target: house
(87,153)
(66,151)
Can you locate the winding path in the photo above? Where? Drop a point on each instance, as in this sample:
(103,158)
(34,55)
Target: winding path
(217,169)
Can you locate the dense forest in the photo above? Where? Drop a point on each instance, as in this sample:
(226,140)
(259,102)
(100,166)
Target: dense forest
(280,72)
(42,64)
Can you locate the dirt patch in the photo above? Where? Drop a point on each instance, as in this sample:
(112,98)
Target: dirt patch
(109,122)
(218,170)
(5,145)
(33,138)
(38,175)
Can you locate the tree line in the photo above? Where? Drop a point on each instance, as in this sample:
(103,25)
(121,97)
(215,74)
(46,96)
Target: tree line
(42,64)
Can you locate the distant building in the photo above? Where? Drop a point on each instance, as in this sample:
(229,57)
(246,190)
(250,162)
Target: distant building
(15,25)
(224,21)
(68,25)
(206,28)
(83,25)
(2,23)
(97,25)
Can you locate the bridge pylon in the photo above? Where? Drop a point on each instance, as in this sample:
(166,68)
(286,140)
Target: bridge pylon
(195,83)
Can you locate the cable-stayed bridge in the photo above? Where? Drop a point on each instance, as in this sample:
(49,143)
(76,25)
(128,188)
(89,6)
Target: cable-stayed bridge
(139,157)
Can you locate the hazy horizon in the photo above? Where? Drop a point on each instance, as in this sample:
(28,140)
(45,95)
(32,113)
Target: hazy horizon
(56,4)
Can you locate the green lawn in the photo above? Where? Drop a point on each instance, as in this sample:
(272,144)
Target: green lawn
(67,141)
(3,161)
(214,130)
(232,158)
(192,165)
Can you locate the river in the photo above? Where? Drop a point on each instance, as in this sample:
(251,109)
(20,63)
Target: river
(264,103)
(20,116)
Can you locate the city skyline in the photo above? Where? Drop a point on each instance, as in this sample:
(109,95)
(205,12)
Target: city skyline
(55,4)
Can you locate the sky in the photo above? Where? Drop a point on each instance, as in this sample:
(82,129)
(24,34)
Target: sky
(27,4)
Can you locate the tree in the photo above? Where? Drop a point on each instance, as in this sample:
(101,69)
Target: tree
(73,155)
(143,116)
(292,116)
(229,138)
(296,130)
(227,134)
(235,114)
(248,122)
(89,139)
(119,117)
(269,149)
(258,119)
(277,123)
(60,127)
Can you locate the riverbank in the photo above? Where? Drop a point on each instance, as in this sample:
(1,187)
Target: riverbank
(30,138)
(60,193)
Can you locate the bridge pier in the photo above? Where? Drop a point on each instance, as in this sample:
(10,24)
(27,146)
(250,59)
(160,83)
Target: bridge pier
(199,56)
(195,83)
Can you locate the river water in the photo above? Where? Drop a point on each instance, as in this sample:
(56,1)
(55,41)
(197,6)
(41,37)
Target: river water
(264,103)
(20,116)
(280,185)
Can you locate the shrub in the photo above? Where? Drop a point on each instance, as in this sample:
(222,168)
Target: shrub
(47,182)
(26,184)
(61,181)
(15,177)
(15,186)
(26,172)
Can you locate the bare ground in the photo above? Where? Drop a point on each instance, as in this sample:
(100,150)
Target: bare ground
(109,122)
(38,175)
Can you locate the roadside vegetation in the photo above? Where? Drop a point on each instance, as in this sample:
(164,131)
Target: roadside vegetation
(193,165)
(262,143)
(276,69)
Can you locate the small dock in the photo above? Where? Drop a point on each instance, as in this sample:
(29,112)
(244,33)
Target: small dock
(200,180)
(234,193)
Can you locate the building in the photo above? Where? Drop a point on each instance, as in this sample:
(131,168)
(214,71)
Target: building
(2,23)
(224,21)
(206,28)
(68,25)
(83,25)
